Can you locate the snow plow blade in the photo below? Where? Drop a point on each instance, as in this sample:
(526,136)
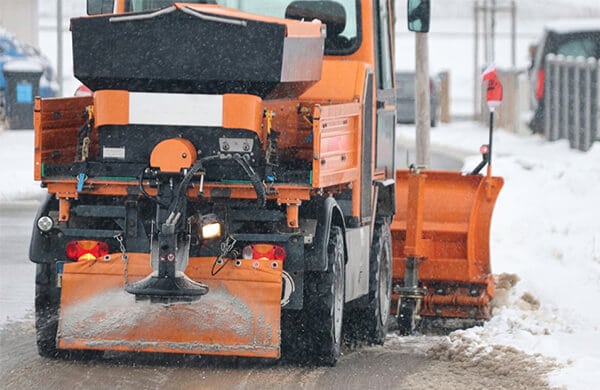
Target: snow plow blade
(240,315)
(443,221)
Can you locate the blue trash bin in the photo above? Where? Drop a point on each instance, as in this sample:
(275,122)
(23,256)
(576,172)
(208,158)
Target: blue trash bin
(22,86)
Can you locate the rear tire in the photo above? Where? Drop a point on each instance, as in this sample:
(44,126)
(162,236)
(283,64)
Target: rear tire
(47,301)
(324,304)
(370,324)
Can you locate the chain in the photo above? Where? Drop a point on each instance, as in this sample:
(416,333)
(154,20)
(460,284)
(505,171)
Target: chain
(124,256)
(85,149)
(226,247)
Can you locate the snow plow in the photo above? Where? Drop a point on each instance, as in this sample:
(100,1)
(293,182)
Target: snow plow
(440,237)
(229,187)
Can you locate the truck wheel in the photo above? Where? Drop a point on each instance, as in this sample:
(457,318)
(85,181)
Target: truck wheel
(325,304)
(370,324)
(47,301)
(380,285)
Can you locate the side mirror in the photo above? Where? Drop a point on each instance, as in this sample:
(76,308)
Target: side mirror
(418,15)
(98,7)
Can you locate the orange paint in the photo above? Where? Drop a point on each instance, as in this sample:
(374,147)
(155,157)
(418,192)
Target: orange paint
(336,148)
(341,81)
(64,210)
(173,155)
(292,215)
(242,112)
(444,218)
(240,315)
(56,122)
(37,139)
(111,107)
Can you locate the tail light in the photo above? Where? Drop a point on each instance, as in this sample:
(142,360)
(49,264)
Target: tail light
(82,250)
(539,90)
(263,252)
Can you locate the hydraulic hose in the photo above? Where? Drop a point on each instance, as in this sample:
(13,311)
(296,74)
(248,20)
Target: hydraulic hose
(259,188)
(257,184)
(187,179)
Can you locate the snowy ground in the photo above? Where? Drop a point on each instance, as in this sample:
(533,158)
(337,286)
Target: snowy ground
(545,230)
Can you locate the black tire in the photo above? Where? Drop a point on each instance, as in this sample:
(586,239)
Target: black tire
(47,301)
(324,305)
(370,324)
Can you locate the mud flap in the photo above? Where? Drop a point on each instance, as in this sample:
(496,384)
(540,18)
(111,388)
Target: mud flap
(454,241)
(240,316)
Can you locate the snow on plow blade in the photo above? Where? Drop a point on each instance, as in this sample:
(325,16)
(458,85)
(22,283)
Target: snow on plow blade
(452,230)
(240,315)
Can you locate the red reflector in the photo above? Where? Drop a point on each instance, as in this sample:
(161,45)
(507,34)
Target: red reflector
(83,91)
(86,250)
(268,252)
(484,149)
(539,91)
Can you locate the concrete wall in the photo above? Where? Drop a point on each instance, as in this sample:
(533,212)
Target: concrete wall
(21,18)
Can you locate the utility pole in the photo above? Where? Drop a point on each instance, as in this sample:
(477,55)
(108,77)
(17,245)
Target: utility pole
(476,87)
(422,99)
(487,12)
(59,46)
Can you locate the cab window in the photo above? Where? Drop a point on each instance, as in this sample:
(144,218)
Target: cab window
(342,17)
(147,5)
(584,47)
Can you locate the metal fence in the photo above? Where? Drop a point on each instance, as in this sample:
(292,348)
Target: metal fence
(571,100)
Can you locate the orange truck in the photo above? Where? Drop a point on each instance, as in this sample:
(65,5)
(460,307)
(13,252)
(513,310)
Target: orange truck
(229,187)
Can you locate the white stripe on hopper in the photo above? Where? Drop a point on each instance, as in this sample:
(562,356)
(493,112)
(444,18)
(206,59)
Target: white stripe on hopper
(175,109)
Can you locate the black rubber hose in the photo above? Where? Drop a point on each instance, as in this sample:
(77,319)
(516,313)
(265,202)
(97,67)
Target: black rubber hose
(259,188)
(143,190)
(182,188)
